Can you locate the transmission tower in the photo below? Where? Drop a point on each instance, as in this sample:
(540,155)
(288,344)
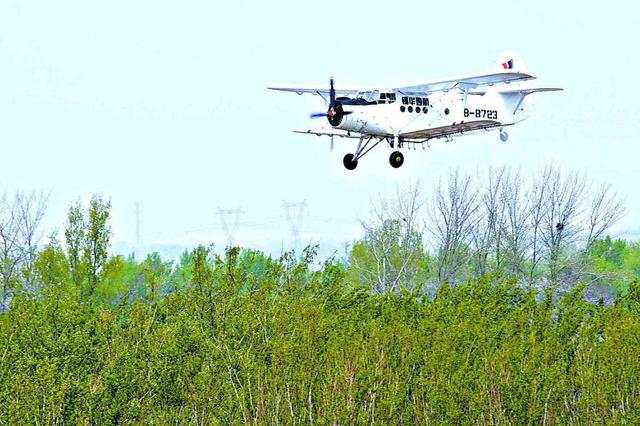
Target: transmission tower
(138,239)
(229,220)
(295,213)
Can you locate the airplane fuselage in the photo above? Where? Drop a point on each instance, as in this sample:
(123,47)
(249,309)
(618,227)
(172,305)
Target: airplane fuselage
(396,113)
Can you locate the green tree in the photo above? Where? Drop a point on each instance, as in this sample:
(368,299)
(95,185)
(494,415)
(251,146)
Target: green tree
(156,275)
(75,239)
(390,258)
(52,267)
(96,244)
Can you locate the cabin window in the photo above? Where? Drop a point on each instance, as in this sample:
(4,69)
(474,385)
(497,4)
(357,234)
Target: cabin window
(419,101)
(383,96)
(425,101)
(405,100)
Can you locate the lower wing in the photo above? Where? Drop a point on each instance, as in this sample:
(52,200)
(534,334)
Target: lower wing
(332,133)
(414,136)
(454,129)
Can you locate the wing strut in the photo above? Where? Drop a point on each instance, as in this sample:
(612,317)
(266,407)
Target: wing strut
(362,150)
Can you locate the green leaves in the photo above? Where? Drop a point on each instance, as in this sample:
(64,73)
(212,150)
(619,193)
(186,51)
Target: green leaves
(97,233)
(327,352)
(87,237)
(246,338)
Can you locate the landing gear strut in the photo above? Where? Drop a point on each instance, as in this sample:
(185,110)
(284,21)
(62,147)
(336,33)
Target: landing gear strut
(396,159)
(349,162)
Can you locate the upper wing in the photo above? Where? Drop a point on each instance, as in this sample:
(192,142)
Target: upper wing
(465,83)
(321,92)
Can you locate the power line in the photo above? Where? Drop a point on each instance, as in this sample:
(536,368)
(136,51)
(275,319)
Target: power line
(293,217)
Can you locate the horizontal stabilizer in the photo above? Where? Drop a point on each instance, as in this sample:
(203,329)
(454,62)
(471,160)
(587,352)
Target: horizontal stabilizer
(531,90)
(517,96)
(524,92)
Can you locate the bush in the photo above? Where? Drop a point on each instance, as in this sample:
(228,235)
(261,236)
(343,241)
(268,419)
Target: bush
(252,339)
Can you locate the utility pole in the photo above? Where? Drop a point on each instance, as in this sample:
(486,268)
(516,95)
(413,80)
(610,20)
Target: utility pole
(230,219)
(294,213)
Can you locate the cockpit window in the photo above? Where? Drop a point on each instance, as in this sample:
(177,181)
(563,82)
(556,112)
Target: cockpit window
(383,96)
(391,97)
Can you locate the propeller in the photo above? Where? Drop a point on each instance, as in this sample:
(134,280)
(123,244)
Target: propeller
(332,93)
(332,101)
(335,111)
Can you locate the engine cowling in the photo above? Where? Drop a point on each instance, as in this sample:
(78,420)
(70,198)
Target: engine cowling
(354,121)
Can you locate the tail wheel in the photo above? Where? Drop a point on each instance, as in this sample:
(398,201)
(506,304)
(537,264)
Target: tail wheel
(349,162)
(504,136)
(396,159)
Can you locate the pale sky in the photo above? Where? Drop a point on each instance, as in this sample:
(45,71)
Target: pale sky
(164,103)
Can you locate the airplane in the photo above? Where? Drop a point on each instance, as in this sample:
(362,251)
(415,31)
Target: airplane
(415,115)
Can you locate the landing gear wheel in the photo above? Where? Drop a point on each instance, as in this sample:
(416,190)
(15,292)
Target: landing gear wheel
(396,159)
(349,162)
(504,136)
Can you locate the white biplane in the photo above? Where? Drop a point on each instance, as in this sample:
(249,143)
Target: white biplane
(417,114)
